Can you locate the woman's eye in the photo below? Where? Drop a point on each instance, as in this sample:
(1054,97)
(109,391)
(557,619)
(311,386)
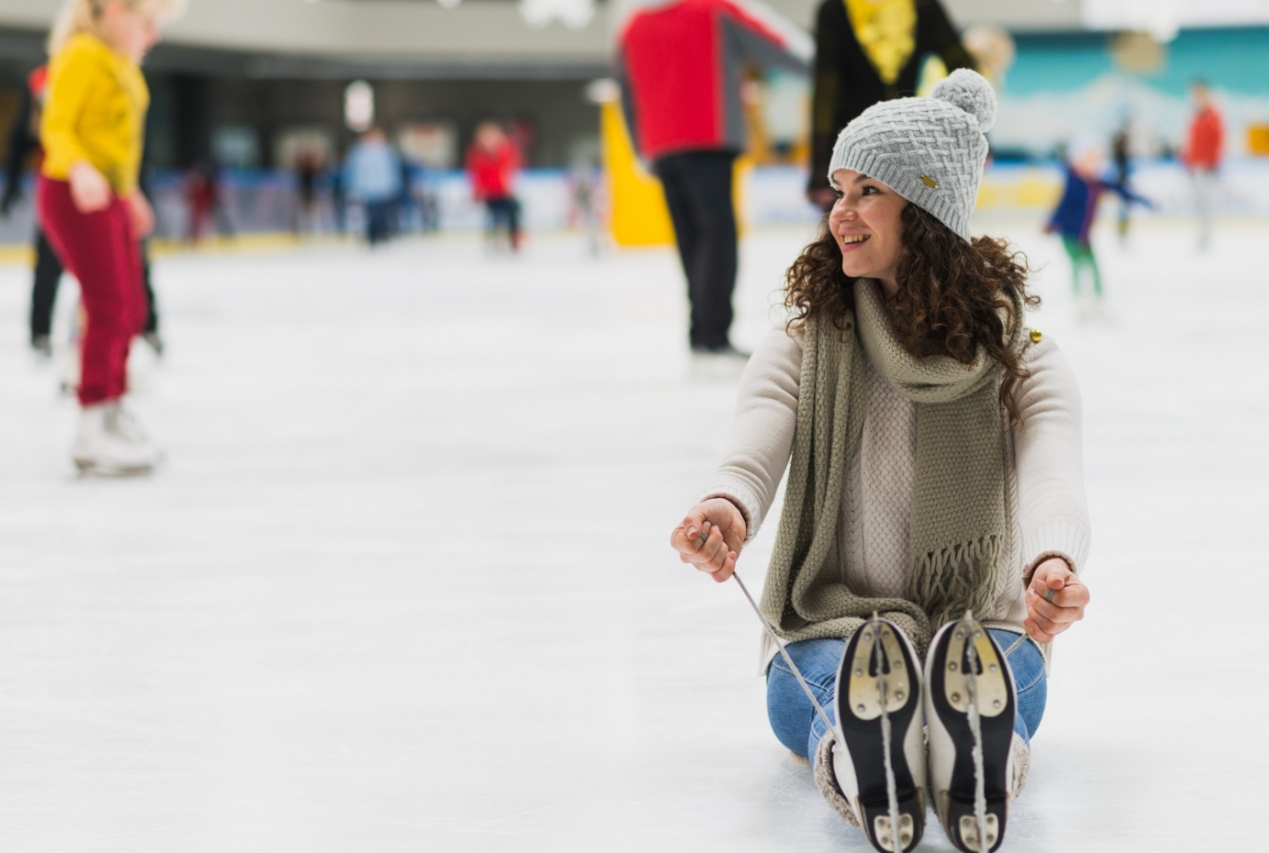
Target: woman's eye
(869,189)
(839,195)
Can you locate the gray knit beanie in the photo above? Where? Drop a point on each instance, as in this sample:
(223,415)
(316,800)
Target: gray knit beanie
(930,150)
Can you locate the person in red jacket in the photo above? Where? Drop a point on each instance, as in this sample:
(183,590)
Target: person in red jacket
(492,162)
(1204,146)
(680,67)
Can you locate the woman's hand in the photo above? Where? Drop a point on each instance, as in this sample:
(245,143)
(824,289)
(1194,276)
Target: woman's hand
(90,191)
(140,215)
(1046,619)
(710,538)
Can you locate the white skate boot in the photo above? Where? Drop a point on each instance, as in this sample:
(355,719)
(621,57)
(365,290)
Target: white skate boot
(111,444)
(878,778)
(970,703)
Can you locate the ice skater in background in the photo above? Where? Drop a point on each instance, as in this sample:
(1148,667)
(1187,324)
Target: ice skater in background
(1204,147)
(680,64)
(24,141)
(1121,159)
(92,210)
(1076,213)
(373,175)
(492,163)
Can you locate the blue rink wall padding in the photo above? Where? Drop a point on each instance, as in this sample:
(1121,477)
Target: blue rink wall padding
(263,201)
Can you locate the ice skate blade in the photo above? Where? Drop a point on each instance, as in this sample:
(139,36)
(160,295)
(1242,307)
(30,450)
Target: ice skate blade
(962,828)
(876,658)
(956,648)
(88,468)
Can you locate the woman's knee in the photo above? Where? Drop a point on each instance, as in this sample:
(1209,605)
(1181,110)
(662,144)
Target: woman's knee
(788,708)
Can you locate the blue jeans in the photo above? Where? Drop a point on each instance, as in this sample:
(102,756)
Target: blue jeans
(798,727)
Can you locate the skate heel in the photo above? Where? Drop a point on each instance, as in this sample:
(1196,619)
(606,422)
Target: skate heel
(972,706)
(964,822)
(911,824)
(880,715)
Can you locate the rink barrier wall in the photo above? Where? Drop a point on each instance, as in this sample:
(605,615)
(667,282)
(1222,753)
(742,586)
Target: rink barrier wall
(259,202)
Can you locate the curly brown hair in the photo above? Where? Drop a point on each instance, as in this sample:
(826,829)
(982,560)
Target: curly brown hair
(951,299)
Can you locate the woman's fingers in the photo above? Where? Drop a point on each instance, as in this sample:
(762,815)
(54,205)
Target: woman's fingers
(706,550)
(728,569)
(1055,611)
(702,543)
(1036,632)
(686,538)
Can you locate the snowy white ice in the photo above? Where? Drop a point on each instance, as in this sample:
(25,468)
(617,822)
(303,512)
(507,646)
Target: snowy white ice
(405,583)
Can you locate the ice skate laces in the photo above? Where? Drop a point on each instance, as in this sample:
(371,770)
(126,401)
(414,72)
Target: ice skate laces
(797,673)
(892,794)
(975,727)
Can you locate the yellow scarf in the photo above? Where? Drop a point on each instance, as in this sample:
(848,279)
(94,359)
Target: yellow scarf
(886,30)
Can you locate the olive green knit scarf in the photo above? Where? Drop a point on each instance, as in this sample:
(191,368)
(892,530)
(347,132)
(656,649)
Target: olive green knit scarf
(958,508)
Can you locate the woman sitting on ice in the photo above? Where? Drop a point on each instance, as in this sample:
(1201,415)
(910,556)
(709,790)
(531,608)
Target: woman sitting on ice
(935,501)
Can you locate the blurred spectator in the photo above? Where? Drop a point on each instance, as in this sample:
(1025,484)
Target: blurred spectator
(205,197)
(868,51)
(492,162)
(585,182)
(404,208)
(672,62)
(1077,212)
(1121,158)
(1201,154)
(308,168)
(339,200)
(373,176)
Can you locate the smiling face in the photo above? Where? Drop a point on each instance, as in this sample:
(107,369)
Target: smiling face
(866,221)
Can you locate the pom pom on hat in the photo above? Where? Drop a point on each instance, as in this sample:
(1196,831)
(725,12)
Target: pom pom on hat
(970,91)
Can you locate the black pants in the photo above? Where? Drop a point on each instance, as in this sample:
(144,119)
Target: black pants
(48,274)
(503,213)
(378,221)
(698,191)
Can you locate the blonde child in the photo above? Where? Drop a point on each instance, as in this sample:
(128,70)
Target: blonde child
(93,130)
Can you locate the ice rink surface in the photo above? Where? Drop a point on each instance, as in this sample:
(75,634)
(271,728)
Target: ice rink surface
(405,582)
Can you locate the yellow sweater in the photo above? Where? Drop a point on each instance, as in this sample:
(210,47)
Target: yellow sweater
(94,110)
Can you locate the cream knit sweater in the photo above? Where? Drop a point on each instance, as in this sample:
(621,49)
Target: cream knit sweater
(1045,507)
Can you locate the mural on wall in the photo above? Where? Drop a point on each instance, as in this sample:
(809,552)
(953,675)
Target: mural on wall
(1063,86)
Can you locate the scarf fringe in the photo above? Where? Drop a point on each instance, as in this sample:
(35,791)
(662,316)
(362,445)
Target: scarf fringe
(959,577)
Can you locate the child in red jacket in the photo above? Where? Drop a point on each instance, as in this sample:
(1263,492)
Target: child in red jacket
(492,162)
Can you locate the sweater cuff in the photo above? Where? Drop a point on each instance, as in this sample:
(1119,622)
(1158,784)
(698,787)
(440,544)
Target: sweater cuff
(745,501)
(1057,537)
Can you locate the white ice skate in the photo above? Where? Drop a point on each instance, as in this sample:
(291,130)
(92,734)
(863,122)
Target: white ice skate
(111,444)
(880,769)
(970,703)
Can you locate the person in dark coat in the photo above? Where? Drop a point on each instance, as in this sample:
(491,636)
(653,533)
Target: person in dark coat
(868,51)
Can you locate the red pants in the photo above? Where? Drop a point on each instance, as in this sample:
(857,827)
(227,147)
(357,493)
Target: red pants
(100,250)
